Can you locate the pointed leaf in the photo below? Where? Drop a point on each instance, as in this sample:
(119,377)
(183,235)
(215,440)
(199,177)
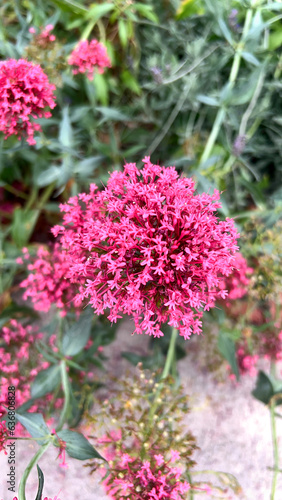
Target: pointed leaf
(226,347)
(112,114)
(40,483)
(35,425)
(122,32)
(23,225)
(250,58)
(264,389)
(71,6)
(146,11)
(46,381)
(99,10)
(101,87)
(225,31)
(76,338)
(211,101)
(66,134)
(48,176)
(78,446)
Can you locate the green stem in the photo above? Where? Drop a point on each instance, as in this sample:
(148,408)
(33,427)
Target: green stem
(32,463)
(15,191)
(166,370)
(65,383)
(46,195)
(232,78)
(170,353)
(31,199)
(275,449)
(88,30)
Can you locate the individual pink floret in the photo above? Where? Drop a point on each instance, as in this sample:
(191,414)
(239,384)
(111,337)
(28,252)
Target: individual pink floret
(25,92)
(149,247)
(89,57)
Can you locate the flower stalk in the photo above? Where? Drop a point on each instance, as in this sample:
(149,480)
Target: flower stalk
(231,81)
(30,466)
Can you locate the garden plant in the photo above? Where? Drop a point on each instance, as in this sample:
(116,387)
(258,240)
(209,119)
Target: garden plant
(140,178)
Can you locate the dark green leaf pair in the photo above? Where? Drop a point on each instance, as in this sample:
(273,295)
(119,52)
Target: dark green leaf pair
(77,446)
(266,388)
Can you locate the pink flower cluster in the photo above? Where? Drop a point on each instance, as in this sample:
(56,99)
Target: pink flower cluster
(18,341)
(20,364)
(44,36)
(154,479)
(149,247)
(25,92)
(247,363)
(88,57)
(237,283)
(47,282)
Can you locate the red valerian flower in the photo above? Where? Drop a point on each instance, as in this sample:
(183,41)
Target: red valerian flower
(148,246)
(46,283)
(88,57)
(25,92)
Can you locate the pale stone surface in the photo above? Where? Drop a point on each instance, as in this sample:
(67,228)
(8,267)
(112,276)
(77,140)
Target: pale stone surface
(232,431)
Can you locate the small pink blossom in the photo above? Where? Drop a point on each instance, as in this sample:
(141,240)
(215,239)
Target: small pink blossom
(25,92)
(174,455)
(89,57)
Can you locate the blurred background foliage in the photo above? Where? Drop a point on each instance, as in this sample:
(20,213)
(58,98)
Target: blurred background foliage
(193,83)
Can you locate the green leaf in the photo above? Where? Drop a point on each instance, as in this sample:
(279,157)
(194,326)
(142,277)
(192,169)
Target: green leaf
(23,225)
(76,338)
(225,31)
(112,114)
(226,347)
(71,6)
(35,425)
(46,381)
(78,446)
(85,168)
(48,176)
(272,6)
(211,101)
(65,133)
(264,389)
(244,90)
(99,10)
(130,82)
(146,11)
(40,483)
(250,58)
(122,32)
(101,87)
(188,8)
(275,40)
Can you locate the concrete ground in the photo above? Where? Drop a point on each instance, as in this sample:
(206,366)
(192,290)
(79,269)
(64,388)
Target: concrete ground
(232,430)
